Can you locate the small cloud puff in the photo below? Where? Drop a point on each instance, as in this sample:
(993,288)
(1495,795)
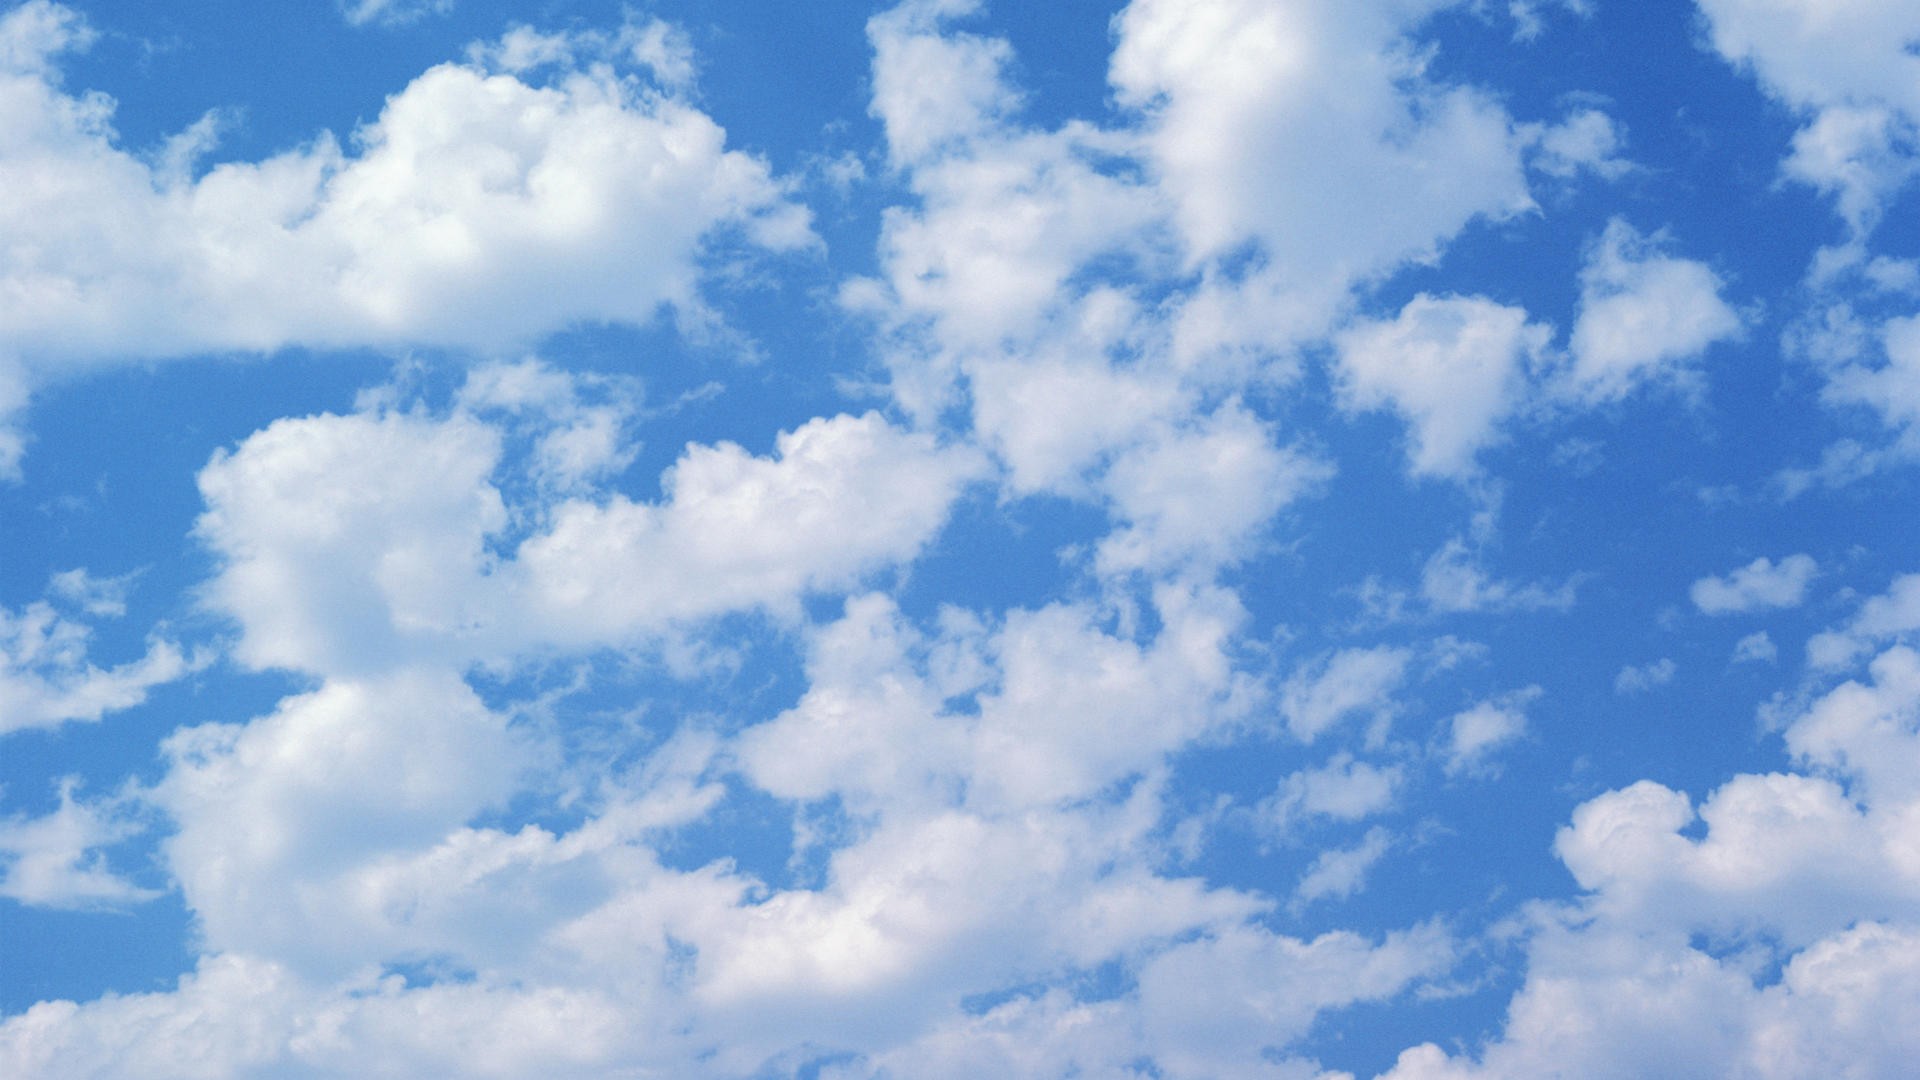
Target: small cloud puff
(1757,585)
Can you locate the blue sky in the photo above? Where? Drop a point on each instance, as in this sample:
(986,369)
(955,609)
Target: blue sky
(1182,538)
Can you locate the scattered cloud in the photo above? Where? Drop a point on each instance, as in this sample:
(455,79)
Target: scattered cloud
(1756,586)
(1644,677)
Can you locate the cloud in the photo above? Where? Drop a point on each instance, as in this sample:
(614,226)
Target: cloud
(1586,141)
(1472,735)
(1454,367)
(1343,789)
(1893,614)
(46,678)
(1350,682)
(1454,581)
(1755,648)
(1759,584)
(479,211)
(1309,130)
(1641,315)
(333,562)
(1663,964)
(56,860)
(1645,677)
(1342,872)
(1849,70)
(391,12)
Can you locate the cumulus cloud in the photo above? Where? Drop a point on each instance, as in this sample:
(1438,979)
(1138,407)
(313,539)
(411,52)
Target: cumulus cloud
(1642,314)
(1473,735)
(334,562)
(1758,585)
(1849,70)
(1892,614)
(1663,963)
(432,226)
(1755,648)
(1586,141)
(1341,872)
(1310,131)
(1454,367)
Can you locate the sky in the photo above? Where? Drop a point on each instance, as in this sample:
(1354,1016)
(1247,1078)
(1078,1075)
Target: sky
(1165,539)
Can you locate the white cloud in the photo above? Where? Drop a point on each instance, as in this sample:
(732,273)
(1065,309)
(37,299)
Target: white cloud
(1586,141)
(334,562)
(1342,872)
(273,817)
(1755,648)
(392,12)
(476,211)
(1062,708)
(1311,129)
(1476,732)
(1343,789)
(840,497)
(1454,367)
(1642,315)
(1215,1007)
(1351,682)
(1645,677)
(46,678)
(1889,387)
(1662,966)
(1454,581)
(56,860)
(1849,69)
(1201,494)
(1893,614)
(1759,584)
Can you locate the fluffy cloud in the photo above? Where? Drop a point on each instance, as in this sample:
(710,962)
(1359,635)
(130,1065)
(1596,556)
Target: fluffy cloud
(1757,585)
(1642,313)
(1893,613)
(1311,130)
(334,562)
(1846,67)
(1347,683)
(1453,366)
(839,498)
(1663,964)
(1472,735)
(1344,789)
(478,210)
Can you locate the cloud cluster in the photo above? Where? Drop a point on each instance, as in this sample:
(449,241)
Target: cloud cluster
(963,838)
(482,208)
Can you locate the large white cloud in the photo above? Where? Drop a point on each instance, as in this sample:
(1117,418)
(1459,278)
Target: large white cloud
(1850,68)
(482,208)
(334,562)
(1662,966)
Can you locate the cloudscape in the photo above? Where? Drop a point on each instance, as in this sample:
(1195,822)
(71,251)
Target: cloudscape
(1111,538)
